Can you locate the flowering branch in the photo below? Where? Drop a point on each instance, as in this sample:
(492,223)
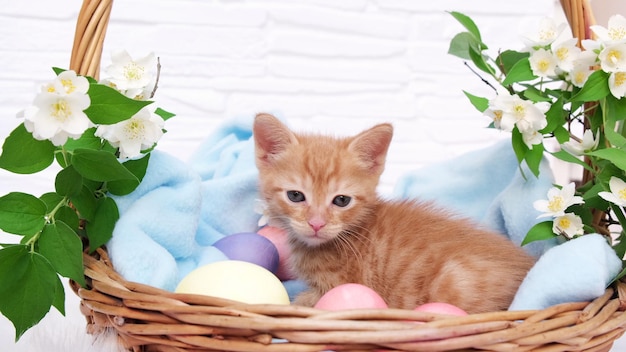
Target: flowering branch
(545,89)
(101,134)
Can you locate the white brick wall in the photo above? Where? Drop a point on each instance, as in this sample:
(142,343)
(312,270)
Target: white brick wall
(326,65)
(353,63)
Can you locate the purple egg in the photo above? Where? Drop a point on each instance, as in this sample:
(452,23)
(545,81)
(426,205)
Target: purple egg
(251,248)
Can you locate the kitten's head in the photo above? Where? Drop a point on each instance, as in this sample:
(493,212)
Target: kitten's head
(317,187)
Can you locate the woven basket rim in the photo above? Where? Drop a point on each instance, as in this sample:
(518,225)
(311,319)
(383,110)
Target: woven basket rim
(143,315)
(146,318)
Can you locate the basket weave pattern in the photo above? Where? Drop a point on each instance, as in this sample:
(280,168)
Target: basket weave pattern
(149,319)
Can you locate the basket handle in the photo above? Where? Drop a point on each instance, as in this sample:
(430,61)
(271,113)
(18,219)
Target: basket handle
(91,28)
(580,17)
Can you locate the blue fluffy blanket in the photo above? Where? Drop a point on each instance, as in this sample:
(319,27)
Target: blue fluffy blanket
(168,224)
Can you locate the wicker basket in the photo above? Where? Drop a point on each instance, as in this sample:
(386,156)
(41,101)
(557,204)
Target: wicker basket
(149,319)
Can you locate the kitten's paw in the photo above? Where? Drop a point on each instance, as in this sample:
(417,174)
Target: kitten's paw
(307,298)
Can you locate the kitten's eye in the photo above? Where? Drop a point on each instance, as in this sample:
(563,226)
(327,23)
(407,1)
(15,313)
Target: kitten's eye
(342,201)
(295,196)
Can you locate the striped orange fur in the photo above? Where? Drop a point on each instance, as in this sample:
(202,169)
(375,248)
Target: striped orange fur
(322,191)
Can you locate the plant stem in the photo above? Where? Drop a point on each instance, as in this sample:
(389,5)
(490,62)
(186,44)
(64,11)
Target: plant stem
(51,214)
(49,220)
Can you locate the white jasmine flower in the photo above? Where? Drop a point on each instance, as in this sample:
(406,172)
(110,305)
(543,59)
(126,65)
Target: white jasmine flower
(543,63)
(615,33)
(591,45)
(569,225)
(565,54)
(618,192)
(497,108)
(579,75)
(617,83)
(57,113)
(509,111)
(496,116)
(131,136)
(582,67)
(528,117)
(137,93)
(546,34)
(558,201)
(531,138)
(613,58)
(128,74)
(587,144)
(68,82)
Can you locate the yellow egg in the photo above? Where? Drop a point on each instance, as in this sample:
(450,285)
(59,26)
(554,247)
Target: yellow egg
(235,280)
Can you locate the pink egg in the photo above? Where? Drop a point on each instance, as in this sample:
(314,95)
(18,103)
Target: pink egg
(350,296)
(441,308)
(279,238)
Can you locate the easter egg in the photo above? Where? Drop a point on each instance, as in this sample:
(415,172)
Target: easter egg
(235,280)
(251,248)
(441,308)
(350,296)
(279,238)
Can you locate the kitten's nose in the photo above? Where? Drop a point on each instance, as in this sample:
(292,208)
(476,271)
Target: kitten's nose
(317,223)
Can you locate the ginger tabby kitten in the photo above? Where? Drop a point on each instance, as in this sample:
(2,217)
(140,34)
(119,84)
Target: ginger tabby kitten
(322,191)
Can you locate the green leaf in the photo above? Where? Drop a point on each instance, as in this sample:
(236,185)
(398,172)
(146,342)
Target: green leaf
(23,154)
(616,139)
(28,286)
(100,230)
(85,203)
(100,166)
(596,87)
(64,249)
(592,199)
(520,72)
(22,213)
(165,115)
(51,199)
(555,117)
(108,106)
(68,216)
(561,134)
(567,157)
(88,140)
(468,23)
(461,45)
(479,61)
(541,231)
(616,108)
(481,104)
(138,168)
(616,156)
(64,212)
(533,94)
(507,59)
(58,70)
(68,182)
(532,156)
(519,147)
(59,298)
(612,114)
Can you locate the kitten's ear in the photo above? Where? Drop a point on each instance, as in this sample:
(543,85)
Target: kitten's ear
(271,137)
(371,146)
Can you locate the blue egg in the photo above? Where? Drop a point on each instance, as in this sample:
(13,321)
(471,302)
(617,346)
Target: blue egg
(251,248)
